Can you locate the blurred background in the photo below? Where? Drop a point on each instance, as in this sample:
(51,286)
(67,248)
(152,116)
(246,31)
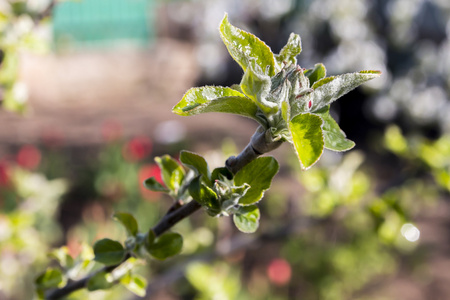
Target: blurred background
(87,87)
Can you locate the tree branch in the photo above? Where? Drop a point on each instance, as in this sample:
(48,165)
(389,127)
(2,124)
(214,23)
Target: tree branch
(258,145)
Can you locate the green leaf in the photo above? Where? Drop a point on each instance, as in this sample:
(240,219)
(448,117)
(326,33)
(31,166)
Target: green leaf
(290,50)
(100,281)
(334,137)
(204,195)
(257,87)
(316,74)
(108,252)
(215,99)
(154,185)
(135,284)
(258,174)
(197,163)
(167,245)
(221,171)
(51,278)
(171,172)
(245,47)
(63,257)
(247,219)
(149,239)
(330,89)
(128,221)
(307,138)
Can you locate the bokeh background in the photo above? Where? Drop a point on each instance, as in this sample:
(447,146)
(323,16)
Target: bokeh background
(87,87)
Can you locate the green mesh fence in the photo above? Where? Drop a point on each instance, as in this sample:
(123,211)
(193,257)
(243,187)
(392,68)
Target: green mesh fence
(103,23)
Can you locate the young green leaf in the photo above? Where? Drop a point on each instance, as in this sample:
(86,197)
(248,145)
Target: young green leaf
(258,174)
(257,86)
(63,257)
(51,278)
(171,171)
(100,281)
(197,163)
(128,221)
(334,137)
(316,74)
(204,195)
(135,284)
(108,252)
(154,185)
(247,219)
(167,245)
(329,89)
(290,50)
(149,239)
(307,138)
(221,171)
(245,47)
(215,99)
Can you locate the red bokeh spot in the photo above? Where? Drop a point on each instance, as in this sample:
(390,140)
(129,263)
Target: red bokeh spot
(137,148)
(146,172)
(4,174)
(279,271)
(28,157)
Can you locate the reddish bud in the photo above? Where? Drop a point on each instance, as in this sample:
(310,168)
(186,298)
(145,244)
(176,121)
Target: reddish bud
(309,104)
(28,157)
(279,271)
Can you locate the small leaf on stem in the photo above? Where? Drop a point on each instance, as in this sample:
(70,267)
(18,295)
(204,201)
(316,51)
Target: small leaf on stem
(108,252)
(128,221)
(334,137)
(153,185)
(171,171)
(307,138)
(167,245)
(197,163)
(315,74)
(258,174)
(247,219)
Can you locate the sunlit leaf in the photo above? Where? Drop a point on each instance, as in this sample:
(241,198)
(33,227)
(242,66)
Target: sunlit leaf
(135,284)
(171,172)
(258,174)
(215,99)
(245,47)
(197,163)
(290,50)
(307,138)
(247,219)
(329,89)
(334,137)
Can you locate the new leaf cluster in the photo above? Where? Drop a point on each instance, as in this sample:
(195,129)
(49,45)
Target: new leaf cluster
(290,102)
(220,192)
